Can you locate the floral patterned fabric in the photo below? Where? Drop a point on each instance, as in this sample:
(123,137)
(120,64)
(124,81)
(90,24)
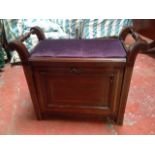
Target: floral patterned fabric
(62,29)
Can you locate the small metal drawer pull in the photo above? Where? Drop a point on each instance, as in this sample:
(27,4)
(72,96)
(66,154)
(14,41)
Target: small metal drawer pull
(74,70)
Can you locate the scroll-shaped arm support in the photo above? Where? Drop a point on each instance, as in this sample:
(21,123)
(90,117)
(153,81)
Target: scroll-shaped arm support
(34,30)
(21,48)
(137,46)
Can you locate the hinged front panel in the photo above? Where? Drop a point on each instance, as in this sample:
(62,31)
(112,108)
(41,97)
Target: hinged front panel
(74,88)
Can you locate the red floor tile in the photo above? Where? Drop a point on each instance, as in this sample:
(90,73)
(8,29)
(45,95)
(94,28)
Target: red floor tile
(17,114)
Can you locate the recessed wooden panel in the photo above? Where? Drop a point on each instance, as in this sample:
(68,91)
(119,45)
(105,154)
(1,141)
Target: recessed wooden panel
(90,89)
(78,90)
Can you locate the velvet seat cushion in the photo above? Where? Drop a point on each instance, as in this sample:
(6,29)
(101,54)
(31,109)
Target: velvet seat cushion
(106,48)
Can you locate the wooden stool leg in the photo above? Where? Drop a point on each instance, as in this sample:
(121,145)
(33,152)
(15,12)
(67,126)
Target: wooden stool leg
(124,94)
(132,51)
(33,90)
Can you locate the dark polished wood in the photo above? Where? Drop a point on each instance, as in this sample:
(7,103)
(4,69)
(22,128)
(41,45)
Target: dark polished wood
(79,86)
(146,27)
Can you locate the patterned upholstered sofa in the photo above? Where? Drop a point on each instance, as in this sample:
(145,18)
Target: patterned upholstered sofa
(61,29)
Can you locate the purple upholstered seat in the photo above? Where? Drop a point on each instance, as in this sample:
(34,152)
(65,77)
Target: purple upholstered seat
(107,48)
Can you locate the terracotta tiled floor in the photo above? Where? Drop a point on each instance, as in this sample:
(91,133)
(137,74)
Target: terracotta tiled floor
(17,115)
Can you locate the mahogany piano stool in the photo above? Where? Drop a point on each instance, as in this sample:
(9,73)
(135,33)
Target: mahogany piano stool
(79,77)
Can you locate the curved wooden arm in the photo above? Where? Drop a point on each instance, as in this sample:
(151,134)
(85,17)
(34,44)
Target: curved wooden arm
(138,45)
(21,48)
(34,30)
(38,31)
(128,30)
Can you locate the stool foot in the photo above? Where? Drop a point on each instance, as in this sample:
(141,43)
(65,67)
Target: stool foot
(119,121)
